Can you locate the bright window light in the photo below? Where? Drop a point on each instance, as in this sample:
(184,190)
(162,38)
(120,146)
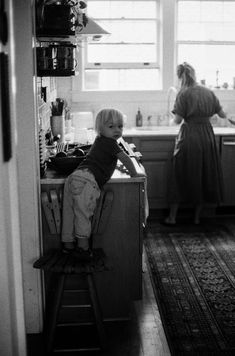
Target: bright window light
(128,58)
(206,39)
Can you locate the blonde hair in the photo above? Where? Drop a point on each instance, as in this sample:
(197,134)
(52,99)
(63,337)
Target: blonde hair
(107,116)
(187,74)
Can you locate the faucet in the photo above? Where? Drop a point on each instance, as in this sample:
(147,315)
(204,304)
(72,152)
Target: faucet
(171,95)
(149,120)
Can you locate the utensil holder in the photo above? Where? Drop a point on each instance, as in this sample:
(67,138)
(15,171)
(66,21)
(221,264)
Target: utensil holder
(58,126)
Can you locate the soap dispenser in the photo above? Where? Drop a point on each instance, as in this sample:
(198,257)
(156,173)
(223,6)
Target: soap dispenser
(139,118)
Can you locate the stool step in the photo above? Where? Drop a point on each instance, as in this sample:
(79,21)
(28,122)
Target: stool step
(80,323)
(75,314)
(76,306)
(71,297)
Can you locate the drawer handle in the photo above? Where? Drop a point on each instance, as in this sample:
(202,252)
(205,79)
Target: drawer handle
(229,143)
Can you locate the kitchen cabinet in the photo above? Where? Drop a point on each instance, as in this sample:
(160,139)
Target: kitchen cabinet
(156,157)
(228,166)
(121,241)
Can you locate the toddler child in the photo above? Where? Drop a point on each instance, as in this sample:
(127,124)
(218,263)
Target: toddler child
(83,187)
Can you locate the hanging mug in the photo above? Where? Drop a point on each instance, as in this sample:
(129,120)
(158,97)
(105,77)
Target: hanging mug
(65,51)
(45,58)
(67,63)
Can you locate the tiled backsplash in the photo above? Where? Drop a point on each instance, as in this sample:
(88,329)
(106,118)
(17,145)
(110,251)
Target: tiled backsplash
(154,104)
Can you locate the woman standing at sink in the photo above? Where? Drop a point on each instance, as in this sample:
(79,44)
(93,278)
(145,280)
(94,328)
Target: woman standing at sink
(196,172)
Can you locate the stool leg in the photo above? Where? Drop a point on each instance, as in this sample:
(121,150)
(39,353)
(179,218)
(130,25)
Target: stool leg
(97,311)
(55,312)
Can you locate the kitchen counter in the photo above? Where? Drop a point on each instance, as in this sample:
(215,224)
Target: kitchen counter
(170,131)
(119,176)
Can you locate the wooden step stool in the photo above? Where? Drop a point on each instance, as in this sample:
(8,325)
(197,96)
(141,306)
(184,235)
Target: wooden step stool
(62,265)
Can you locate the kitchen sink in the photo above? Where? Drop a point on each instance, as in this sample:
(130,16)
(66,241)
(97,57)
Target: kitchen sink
(155,128)
(151,128)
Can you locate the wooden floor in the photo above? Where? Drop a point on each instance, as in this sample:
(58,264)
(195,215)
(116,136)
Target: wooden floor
(143,335)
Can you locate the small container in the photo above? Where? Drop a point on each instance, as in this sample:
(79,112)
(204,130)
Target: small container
(58,126)
(139,118)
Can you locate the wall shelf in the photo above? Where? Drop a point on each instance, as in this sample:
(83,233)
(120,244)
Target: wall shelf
(55,73)
(54,34)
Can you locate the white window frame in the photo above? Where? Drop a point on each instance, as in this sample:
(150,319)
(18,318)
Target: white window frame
(129,65)
(223,42)
(167,62)
(200,42)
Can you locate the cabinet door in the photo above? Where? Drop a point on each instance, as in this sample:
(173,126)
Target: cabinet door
(157,184)
(228,166)
(156,154)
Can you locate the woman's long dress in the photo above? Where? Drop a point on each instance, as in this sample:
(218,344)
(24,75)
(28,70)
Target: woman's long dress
(196,175)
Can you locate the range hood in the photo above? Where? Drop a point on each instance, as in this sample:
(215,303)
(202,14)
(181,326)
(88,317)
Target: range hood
(92,29)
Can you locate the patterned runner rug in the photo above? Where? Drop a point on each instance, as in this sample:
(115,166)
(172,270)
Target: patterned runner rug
(193,275)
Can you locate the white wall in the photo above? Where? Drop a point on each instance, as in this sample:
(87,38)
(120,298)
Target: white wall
(28,160)
(12,321)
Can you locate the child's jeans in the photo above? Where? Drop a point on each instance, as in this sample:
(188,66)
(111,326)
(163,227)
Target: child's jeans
(81,193)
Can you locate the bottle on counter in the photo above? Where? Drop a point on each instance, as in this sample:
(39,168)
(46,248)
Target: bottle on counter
(139,118)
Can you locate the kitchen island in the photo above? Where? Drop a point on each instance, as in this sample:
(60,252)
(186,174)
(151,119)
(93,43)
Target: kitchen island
(121,240)
(156,144)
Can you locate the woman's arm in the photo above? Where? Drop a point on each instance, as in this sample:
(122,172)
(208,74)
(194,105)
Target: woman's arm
(224,115)
(127,162)
(177,119)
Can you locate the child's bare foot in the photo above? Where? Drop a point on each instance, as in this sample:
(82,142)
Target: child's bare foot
(83,243)
(83,251)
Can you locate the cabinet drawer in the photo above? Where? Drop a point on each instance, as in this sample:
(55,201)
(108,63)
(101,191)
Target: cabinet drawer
(158,149)
(228,141)
(156,145)
(228,167)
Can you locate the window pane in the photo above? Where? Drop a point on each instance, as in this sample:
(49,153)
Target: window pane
(188,11)
(206,32)
(132,43)
(208,59)
(129,31)
(211,11)
(122,79)
(121,53)
(206,21)
(119,9)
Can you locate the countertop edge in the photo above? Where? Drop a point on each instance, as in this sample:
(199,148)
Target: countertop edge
(171,131)
(118,178)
